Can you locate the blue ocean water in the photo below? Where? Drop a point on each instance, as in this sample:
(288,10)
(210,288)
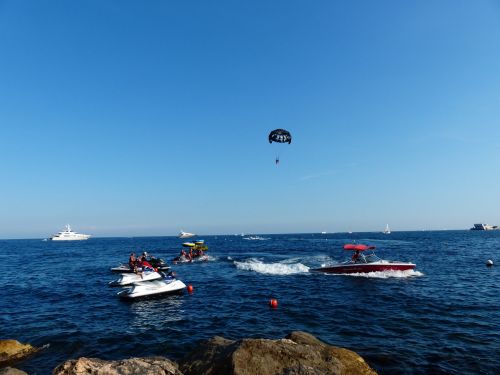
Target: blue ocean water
(444,318)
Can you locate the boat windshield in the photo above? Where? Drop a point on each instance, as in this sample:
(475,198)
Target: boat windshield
(369,258)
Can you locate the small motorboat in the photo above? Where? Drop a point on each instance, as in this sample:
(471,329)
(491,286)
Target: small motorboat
(196,252)
(183,234)
(131,278)
(185,259)
(361,263)
(168,285)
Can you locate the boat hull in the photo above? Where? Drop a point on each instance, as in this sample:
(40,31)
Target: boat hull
(131,278)
(366,268)
(76,238)
(152,288)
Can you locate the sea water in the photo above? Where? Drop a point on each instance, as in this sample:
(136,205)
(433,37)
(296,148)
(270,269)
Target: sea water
(442,318)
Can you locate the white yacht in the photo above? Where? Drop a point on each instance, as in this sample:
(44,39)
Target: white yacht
(69,235)
(183,234)
(387,230)
(484,227)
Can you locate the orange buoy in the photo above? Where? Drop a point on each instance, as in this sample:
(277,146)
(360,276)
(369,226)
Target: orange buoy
(273,303)
(190,288)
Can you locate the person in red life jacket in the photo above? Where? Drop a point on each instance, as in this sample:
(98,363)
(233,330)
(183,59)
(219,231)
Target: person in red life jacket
(355,257)
(145,265)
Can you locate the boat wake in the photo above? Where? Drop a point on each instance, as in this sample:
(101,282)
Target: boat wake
(386,274)
(256,238)
(278,268)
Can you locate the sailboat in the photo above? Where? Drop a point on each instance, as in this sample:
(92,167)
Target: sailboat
(387,230)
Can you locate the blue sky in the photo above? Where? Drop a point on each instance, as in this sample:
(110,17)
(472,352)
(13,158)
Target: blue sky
(144,118)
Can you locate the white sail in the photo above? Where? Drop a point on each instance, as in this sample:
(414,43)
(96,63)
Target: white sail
(387,230)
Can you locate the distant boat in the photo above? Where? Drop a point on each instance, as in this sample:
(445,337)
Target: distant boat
(323,232)
(69,235)
(484,227)
(387,230)
(183,234)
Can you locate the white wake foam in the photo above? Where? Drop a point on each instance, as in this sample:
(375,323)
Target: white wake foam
(387,274)
(256,238)
(279,268)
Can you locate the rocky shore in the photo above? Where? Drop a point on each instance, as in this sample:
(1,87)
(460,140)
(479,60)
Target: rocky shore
(299,353)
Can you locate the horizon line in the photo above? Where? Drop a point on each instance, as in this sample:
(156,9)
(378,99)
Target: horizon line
(248,234)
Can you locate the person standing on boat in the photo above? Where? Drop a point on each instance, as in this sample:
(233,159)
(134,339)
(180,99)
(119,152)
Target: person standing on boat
(355,257)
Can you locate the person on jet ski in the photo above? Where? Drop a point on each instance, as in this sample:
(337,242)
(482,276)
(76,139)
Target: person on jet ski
(145,265)
(132,261)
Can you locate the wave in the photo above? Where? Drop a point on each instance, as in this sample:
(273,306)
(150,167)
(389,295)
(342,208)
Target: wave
(279,268)
(386,274)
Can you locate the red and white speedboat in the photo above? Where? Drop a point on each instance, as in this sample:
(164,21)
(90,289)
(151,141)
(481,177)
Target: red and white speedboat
(361,263)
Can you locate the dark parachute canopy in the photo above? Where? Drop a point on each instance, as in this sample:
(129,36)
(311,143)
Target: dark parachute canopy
(280,136)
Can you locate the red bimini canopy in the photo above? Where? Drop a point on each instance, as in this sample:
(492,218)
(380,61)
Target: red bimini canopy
(358,247)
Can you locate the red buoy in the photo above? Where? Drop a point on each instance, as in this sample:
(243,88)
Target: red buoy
(273,303)
(190,289)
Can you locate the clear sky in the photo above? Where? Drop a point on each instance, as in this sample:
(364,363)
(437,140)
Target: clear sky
(147,117)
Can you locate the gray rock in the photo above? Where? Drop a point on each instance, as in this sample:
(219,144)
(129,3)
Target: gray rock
(132,366)
(11,371)
(298,354)
(12,351)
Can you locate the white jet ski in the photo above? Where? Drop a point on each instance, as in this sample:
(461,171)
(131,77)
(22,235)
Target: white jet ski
(167,285)
(130,278)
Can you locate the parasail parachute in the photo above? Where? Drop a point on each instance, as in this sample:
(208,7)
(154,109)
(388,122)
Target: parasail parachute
(280,136)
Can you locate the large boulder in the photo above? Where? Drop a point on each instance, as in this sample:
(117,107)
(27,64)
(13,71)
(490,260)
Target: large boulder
(298,354)
(11,371)
(132,366)
(12,351)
